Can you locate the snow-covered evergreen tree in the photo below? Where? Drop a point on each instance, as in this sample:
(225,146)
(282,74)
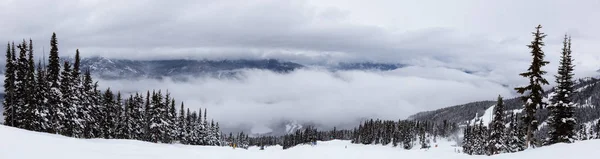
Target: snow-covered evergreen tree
(43,123)
(561,118)
(31,102)
(181,125)
(78,98)
(582,133)
(468,140)
(54,94)
(122,115)
(158,129)
(9,87)
(480,136)
(137,117)
(22,111)
(533,93)
(109,112)
(496,144)
(71,122)
(516,139)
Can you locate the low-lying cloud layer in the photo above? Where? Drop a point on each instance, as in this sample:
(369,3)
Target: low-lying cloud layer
(330,98)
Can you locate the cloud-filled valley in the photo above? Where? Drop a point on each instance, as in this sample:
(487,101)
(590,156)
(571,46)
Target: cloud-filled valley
(330,98)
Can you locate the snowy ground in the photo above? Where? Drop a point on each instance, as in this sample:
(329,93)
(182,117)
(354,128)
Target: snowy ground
(20,144)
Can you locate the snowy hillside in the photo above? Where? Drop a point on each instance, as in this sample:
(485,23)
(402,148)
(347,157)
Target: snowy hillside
(22,144)
(587,96)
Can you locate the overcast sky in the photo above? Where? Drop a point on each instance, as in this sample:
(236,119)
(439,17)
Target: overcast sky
(486,37)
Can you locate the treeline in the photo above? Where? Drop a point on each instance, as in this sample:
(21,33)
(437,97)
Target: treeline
(402,133)
(310,135)
(57,98)
(307,135)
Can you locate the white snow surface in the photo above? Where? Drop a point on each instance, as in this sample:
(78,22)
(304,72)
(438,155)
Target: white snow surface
(486,118)
(21,144)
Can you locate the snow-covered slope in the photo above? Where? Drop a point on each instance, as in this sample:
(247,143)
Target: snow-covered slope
(21,144)
(486,118)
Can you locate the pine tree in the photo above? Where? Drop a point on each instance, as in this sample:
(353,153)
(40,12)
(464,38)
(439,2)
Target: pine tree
(43,123)
(173,128)
(137,117)
(9,87)
(158,126)
(54,95)
(480,139)
(468,140)
(496,143)
(561,118)
(423,139)
(126,123)
(86,111)
(31,101)
(181,123)
(189,124)
(533,93)
(71,123)
(22,111)
(516,137)
(92,112)
(147,117)
(78,97)
(109,113)
(120,118)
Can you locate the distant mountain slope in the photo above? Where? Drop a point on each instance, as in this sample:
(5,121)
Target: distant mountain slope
(366,66)
(106,68)
(126,69)
(587,97)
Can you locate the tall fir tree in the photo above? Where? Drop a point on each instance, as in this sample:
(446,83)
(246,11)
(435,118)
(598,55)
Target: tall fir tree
(137,117)
(561,108)
(79,97)
(54,94)
(496,144)
(181,123)
(120,117)
(90,107)
(533,93)
(147,117)
(126,124)
(173,120)
(31,102)
(9,87)
(42,111)
(158,127)
(109,114)
(71,124)
(22,111)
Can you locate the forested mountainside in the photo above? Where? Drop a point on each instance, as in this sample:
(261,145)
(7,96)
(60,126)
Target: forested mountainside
(107,68)
(586,96)
(127,69)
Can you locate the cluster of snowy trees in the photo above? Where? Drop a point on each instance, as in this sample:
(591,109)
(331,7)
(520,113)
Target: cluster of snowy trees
(403,133)
(67,102)
(497,137)
(481,140)
(306,135)
(240,140)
